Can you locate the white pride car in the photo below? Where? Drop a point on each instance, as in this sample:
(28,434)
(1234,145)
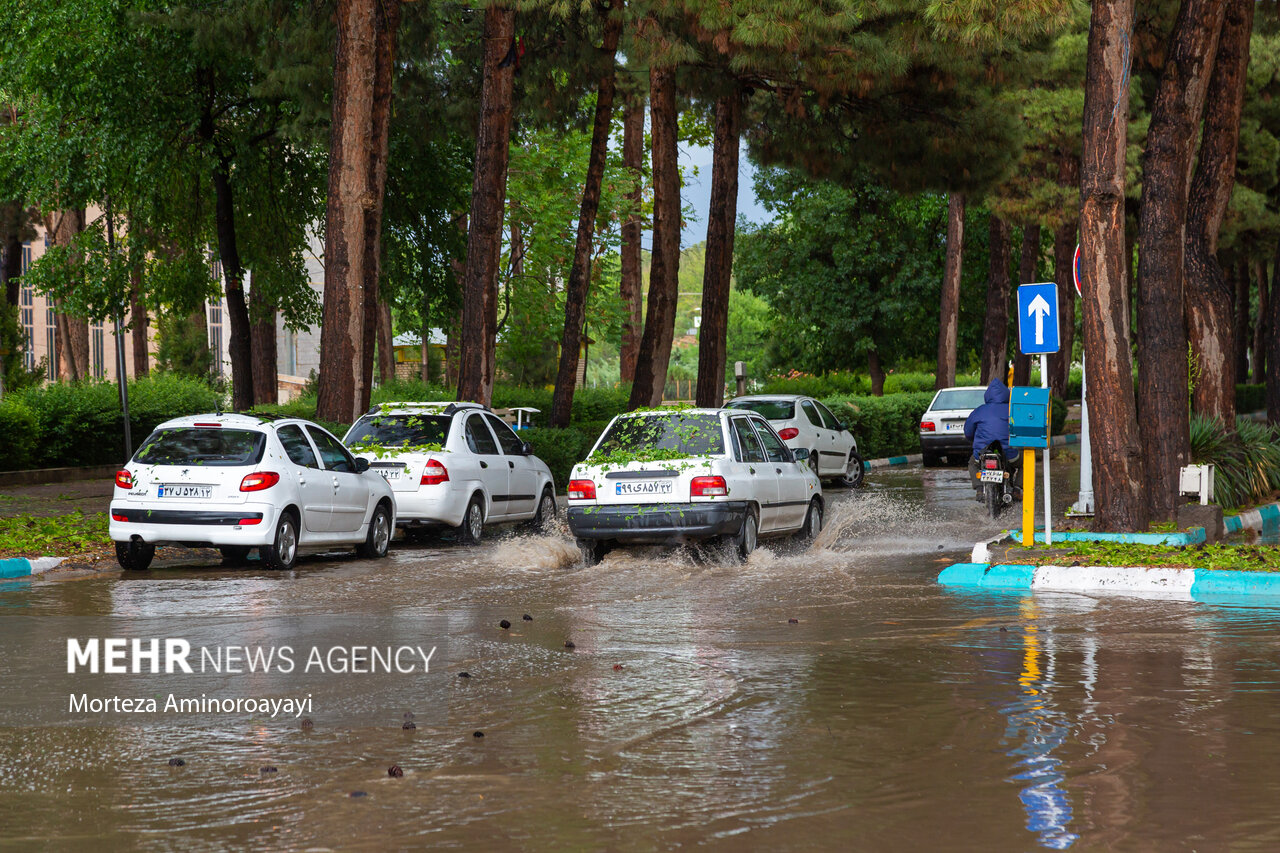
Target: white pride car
(692,475)
(454,465)
(238,482)
(803,422)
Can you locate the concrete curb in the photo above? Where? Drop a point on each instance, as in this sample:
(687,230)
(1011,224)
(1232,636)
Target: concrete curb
(1181,584)
(1253,519)
(46,476)
(869,464)
(21,567)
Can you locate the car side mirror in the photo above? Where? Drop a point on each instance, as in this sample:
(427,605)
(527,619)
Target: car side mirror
(801,454)
(526,448)
(362,464)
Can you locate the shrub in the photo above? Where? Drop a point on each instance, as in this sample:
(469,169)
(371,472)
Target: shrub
(1246,462)
(18,425)
(1250,398)
(561,449)
(1057,415)
(81,423)
(883,426)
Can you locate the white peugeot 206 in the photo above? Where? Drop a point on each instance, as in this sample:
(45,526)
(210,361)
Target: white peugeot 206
(692,476)
(238,482)
(454,466)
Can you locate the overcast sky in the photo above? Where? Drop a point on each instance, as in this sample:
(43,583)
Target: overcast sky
(697,193)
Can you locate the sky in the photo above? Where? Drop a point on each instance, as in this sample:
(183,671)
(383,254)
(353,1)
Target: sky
(697,193)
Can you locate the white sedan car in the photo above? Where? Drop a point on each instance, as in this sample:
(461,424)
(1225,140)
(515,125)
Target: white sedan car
(803,422)
(454,465)
(238,482)
(692,475)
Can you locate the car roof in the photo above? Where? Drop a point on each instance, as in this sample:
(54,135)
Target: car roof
(221,419)
(671,411)
(791,398)
(442,407)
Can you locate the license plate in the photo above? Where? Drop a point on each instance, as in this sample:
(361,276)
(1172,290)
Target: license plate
(391,473)
(954,427)
(652,487)
(175,490)
(991,476)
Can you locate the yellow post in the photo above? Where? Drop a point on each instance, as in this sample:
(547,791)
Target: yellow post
(1028,497)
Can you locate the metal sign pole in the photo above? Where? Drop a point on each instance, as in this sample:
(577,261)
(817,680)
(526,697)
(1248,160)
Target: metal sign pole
(1048,506)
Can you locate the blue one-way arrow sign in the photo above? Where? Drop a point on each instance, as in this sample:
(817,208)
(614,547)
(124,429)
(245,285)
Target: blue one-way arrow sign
(1038,318)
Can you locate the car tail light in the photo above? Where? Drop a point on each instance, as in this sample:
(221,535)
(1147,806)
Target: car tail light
(115,516)
(708,487)
(434,474)
(124,479)
(788,433)
(927,426)
(990,464)
(582,490)
(249,521)
(259,480)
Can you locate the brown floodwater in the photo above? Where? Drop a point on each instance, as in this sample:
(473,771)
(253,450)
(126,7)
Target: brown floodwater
(691,710)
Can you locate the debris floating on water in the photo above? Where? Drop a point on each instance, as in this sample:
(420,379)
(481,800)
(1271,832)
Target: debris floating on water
(464,675)
(357,794)
(408,725)
(307,724)
(394,771)
(527,618)
(504,625)
(568,644)
(477,733)
(176,762)
(266,769)
(617,667)
(793,621)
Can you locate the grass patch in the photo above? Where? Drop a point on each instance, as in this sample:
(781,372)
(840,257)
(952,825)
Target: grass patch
(1240,558)
(53,536)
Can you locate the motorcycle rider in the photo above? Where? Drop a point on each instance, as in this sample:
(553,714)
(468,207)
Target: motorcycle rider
(987,423)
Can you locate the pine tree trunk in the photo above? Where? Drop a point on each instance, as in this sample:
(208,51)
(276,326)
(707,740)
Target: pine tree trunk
(1209,294)
(262,338)
(1064,250)
(1028,272)
(1273,344)
(575,296)
(995,330)
(363,62)
(876,372)
(1261,330)
(1241,333)
(138,323)
(386,344)
(664,268)
(949,316)
(632,229)
(71,338)
(484,231)
(1118,472)
(239,347)
(717,276)
(1162,331)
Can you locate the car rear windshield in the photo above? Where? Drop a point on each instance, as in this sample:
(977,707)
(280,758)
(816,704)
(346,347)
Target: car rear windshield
(958,398)
(403,430)
(771,410)
(674,434)
(202,446)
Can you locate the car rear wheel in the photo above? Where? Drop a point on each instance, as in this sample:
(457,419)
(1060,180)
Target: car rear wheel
(472,527)
(378,539)
(283,552)
(813,462)
(745,540)
(931,460)
(592,551)
(854,473)
(135,555)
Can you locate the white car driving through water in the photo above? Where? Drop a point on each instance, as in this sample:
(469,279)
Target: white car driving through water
(239,482)
(691,476)
(454,466)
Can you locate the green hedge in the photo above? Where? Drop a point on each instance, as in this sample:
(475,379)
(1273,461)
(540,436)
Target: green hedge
(81,423)
(856,384)
(883,426)
(1250,398)
(589,404)
(18,426)
(561,449)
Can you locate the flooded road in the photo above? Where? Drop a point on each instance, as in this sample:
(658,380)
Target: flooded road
(810,699)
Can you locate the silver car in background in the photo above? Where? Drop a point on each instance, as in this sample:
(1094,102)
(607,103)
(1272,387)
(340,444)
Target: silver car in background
(942,425)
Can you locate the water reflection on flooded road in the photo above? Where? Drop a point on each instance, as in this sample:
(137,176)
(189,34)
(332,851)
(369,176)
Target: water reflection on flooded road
(691,710)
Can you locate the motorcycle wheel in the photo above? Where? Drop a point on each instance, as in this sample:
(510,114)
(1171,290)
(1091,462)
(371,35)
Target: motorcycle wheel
(994,500)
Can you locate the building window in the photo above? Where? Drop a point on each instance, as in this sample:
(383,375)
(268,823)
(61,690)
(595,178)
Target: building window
(51,342)
(28,313)
(97,345)
(291,353)
(215,334)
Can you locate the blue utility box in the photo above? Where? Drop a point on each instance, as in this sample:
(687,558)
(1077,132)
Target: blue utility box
(1029,417)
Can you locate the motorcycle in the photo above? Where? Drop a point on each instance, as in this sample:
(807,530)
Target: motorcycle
(998,479)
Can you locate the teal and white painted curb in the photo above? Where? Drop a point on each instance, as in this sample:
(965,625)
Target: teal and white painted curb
(1180,584)
(1194,536)
(912,458)
(21,567)
(1253,519)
